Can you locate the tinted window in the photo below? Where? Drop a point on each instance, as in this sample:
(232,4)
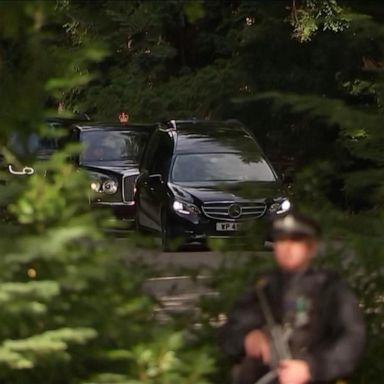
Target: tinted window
(162,155)
(112,145)
(149,158)
(220,167)
(31,144)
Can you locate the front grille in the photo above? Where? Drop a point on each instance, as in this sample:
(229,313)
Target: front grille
(129,187)
(221,210)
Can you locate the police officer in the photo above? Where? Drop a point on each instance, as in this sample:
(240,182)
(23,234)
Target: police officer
(319,314)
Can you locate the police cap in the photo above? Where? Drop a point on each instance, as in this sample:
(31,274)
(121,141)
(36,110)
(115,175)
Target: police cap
(295,225)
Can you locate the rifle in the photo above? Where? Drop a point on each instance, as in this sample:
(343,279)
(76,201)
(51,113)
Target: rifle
(278,336)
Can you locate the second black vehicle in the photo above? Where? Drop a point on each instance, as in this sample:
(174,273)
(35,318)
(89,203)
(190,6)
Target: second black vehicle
(193,178)
(111,155)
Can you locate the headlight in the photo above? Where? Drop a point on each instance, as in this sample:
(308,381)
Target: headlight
(280,207)
(285,206)
(104,185)
(185,208)
(96,185)
(110,186)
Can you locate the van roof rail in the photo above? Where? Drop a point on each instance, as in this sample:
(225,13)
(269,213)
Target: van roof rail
(168,125)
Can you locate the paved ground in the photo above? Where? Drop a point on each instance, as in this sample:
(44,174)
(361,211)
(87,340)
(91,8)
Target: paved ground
(171,283)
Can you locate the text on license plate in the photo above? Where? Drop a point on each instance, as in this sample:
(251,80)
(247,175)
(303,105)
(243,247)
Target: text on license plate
(227,226)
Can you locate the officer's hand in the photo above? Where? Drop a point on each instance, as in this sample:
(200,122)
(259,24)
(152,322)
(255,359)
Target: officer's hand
(256,344)
(293,372)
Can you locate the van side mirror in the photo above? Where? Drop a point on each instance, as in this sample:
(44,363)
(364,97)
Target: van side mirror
(286,178)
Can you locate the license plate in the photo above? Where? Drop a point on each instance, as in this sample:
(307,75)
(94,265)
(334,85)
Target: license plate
(227,227)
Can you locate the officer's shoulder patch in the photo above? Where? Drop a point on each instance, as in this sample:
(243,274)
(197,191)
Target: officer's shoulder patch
(325,277)
(328,278)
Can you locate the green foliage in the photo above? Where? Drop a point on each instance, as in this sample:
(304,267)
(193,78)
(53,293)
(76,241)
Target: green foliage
(73,307)
(73,310)
(194,10)
(307,17)
(26,353)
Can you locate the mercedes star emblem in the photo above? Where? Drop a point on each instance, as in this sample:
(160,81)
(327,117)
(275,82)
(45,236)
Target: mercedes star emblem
(234,211)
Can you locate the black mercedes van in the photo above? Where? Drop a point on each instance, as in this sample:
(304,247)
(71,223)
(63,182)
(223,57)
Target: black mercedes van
(192,177)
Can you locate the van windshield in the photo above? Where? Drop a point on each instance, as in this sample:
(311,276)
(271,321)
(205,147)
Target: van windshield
(207,167)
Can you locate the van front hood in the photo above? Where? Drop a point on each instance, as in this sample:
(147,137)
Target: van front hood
(231,192)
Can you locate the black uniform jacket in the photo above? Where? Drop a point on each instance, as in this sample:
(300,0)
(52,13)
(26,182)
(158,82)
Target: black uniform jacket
(324,316)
